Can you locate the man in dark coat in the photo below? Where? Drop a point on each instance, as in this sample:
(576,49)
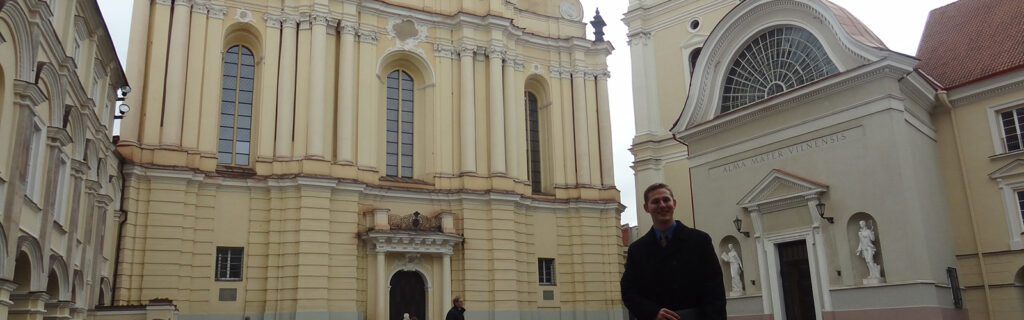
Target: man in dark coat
(457,310)
(672,272)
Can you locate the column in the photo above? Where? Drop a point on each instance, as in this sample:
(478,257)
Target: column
(302,84)
(594,147)
(135,69)
(210,112)
(194,89)
(569,145)
(152,106)
(762,260)
(446,56)
(468,114)
(819,248)
(557,138)
(8,286)
(496,113)
(446,279)
(268,89)
(177,64)
(286,88)
(368,154)
(318,59)
(579,110)
(382,281)
(346,95)
(512,121)
(604,129)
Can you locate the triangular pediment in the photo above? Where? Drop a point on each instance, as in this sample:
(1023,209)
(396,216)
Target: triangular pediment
(1013,168)
(778,185)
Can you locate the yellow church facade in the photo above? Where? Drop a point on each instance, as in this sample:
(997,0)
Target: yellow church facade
(60,182)
(368,159)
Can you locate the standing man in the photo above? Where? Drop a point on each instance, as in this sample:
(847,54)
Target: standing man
(672,272)
(456,313)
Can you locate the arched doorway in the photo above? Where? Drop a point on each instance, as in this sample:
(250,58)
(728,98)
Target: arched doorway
(408,295)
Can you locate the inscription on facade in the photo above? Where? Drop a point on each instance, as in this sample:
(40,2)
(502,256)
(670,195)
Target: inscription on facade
(788,151)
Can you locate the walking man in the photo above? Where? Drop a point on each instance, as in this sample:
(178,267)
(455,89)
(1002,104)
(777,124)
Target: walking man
(456,313)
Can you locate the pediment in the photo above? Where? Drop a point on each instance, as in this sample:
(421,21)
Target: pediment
(1013,168)
(779,185)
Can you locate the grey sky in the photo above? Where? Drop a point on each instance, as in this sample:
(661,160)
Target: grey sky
(898,23)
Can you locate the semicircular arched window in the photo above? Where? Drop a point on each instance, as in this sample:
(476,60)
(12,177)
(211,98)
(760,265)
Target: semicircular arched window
(774,62)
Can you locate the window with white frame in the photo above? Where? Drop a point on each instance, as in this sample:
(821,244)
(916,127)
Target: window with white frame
(1020,205)
(1011,121)
(33,162)
(76,50)
(95,88)
(546,271)
(399,133)
(60,206)
(229,263)
(235,132)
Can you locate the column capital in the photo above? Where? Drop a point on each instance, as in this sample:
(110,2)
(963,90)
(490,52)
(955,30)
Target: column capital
(304,21)
(602,74)
(186,3)
(445,51)
(348,27)
(579,72)
(496,53)
(164,2)
(467,50)
(200,7)
(217,11)
(289,21)
(273,20)
(318,18)
(367,36)
(332,24)
(639,38)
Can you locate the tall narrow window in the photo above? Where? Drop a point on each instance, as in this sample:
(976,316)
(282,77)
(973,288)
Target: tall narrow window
(399,124)
(546,271)
(236,107)
(533,137)
(229,263)
(1012,131)
(60,206)
(1020,204)
(35,159)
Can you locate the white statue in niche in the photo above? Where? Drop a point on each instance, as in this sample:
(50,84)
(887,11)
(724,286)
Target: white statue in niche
(866,249)
(735,269)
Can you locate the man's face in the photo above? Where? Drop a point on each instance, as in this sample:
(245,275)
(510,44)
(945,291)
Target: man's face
(461,303)
(661,206)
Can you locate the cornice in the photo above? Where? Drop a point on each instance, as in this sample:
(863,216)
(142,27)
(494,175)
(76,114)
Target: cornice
(58,135)
(999,86)
(28,94)
(786,101)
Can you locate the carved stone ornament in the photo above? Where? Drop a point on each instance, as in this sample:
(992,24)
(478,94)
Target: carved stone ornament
(407,34)
(367,36)
(165,2)
(273,20)
(332,26)
(217,11)
(445,51)
(348,27)
(496,53)
(289,21)
(243,15)
(467,51)
(186,3)
(200,6)
(639,38)
(318,18)
(570,11)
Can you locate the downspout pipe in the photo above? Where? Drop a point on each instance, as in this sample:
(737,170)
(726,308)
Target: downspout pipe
(123,217)
(942,98)
(689,176)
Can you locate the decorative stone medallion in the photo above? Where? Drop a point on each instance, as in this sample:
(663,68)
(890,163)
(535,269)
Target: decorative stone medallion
(570,10)
(243,15)
(407,34)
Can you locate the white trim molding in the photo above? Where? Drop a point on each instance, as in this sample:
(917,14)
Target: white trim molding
(1011,180)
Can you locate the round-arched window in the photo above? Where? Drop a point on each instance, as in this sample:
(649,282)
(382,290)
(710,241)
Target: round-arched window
(774,62)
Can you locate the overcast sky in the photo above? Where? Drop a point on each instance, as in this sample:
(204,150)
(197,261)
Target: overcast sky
(898,23)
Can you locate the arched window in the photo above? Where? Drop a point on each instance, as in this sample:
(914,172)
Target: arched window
(533,141)
(774,62)
(236,107)
(399,124)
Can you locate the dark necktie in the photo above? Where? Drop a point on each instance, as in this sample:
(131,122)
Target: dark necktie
(663,239)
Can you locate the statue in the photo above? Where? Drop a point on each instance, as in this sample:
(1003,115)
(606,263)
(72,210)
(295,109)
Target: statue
(405,316)
(735,267)
(599,25)
(866,249)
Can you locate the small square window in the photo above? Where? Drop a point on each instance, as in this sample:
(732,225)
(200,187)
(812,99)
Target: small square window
(546,271)
(229,263)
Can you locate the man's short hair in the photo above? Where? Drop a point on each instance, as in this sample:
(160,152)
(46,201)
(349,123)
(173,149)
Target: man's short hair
(456,299)
(657,186)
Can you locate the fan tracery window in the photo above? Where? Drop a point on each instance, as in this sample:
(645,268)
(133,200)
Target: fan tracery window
(774,62)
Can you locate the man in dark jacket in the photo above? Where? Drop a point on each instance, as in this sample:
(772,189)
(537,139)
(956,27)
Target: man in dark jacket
(456,313)
(672,272)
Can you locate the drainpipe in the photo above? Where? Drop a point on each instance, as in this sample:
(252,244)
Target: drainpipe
(689,175)
(120,229)
(942,97)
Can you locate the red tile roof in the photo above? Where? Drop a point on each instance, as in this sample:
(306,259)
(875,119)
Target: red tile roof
(855,27)
(970,40)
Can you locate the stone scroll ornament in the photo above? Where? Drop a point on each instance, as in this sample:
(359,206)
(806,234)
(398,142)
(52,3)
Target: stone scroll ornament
(735,270)
(867,249)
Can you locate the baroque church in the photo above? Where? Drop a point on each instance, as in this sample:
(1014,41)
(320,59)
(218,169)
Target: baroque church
(839,179)
(306,159)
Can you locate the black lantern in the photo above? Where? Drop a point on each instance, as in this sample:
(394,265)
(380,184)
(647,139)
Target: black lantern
(739,223)
(821,212)
(122,108)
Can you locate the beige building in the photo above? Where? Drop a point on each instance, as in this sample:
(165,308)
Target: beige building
(979,112)
(60,182)
(807,146)
(364,159)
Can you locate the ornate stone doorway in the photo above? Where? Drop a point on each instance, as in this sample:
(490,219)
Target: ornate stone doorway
(795,271)
(408,295)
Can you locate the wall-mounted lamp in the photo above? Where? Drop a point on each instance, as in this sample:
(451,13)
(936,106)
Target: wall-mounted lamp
(821,212)
(121,107)
(739,223)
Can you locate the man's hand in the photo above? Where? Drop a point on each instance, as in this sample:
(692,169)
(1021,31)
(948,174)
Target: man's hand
(666,314)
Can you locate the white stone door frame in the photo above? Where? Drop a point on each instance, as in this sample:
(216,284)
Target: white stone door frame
(773,268)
